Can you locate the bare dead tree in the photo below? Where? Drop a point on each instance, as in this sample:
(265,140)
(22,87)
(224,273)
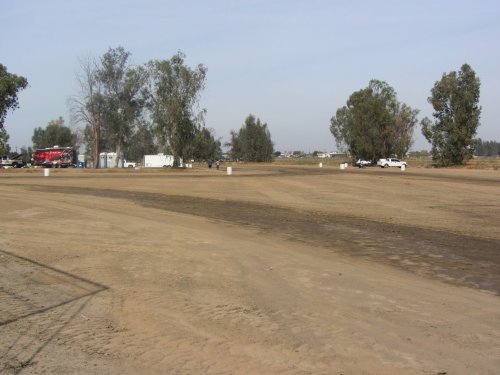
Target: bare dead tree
(87,107)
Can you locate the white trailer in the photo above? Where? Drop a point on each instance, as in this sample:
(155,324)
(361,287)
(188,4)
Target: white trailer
(158,161)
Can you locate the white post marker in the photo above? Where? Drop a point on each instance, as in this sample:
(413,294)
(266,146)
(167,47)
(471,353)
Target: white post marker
(403,168)
(321,165)
(46,172)
(342,166)
(229,171)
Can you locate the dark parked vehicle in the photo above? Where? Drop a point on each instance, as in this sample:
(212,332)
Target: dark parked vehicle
(361,163)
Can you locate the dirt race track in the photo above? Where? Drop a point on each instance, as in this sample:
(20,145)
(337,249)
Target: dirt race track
(273,270)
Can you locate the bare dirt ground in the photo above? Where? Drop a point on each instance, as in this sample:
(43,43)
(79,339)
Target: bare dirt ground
(273,270)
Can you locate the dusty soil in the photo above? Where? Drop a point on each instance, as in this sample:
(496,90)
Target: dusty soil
(273,270)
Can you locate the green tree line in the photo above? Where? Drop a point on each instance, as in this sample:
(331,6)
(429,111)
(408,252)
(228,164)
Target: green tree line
(155,107)
(374,124)
(146,109)
(138,110)
(486,148)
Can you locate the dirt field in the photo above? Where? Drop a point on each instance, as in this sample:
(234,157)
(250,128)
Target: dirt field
(273,270)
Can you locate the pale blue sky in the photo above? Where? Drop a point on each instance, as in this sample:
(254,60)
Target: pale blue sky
(290,63)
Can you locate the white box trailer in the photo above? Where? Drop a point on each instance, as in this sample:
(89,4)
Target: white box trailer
(158,161)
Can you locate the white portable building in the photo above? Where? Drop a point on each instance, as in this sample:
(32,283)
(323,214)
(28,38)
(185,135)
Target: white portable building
(103,160)
(111,160)
(108,160)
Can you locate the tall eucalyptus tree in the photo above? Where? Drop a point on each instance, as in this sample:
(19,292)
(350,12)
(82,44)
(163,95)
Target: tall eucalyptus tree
(124,92)
(174,102)
(455,99)
(374,124)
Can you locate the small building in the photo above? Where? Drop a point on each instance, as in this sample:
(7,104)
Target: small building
(108,160)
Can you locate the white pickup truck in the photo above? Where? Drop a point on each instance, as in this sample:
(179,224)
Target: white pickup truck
(129,164)
(7,162)
(391,162)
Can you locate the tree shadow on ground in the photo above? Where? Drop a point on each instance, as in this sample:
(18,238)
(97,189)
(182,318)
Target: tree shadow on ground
(30,290)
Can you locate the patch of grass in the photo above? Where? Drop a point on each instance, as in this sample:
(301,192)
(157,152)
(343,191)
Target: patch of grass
(309,160)
(480,162)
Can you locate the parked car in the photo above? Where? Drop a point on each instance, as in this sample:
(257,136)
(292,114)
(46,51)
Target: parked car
(361,163)
(391,162)
(14,162)
(129,164)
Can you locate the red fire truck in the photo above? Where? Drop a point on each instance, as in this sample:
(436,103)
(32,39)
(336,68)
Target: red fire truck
(55,157)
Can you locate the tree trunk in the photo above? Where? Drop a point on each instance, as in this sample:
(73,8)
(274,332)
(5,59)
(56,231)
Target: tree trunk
(118,151)
(96,137)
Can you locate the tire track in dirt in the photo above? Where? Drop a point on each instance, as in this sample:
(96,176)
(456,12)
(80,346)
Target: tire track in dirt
(459,259)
